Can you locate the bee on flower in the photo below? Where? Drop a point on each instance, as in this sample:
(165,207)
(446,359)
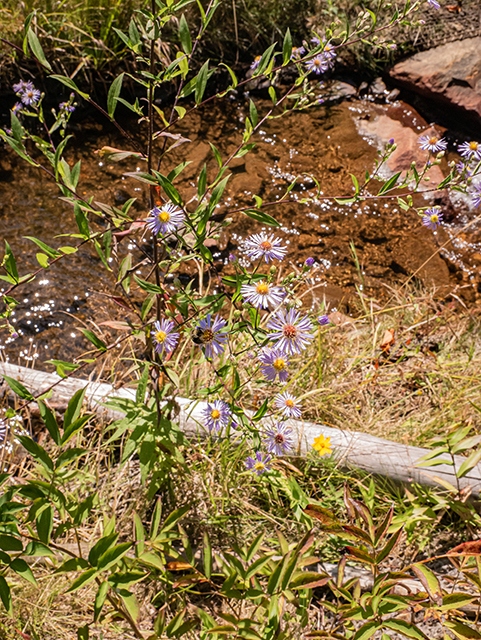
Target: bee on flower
(209,335)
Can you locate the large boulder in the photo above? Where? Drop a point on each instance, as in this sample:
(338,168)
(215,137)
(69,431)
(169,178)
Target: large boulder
(450,74)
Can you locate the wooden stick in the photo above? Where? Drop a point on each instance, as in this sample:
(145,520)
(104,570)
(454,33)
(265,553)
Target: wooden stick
(350,448)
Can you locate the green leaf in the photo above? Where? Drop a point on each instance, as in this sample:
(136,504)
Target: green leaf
(69,456)
(201,82)
(21,567)
(36,49)
(367,630)
(100,599)
(42,260)
(389,184)
(52,253)
(97,342)
(17,129)
(9,263)
(71,85)
(142,385)
(73,408)
(131,604)
(83,632)
(202,182)
(73,428)
(253,113)
(36,451)
(265,59)
(18,388)
(44,524)
(84,579)
(405,628)
(5,595)
(101,546)
(148,286)
(429,582)
(184,35)
(287,48)
(81,220)
(112,556)
(9,543)
(469,464)
(261,216)
(462,631)
(114,93)
(49,421)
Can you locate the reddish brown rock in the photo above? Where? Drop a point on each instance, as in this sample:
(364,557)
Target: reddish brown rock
(450,74)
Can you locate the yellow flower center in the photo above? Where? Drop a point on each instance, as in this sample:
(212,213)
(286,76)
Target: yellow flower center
(160,336)
(434,217)
(257,58)
(259,466)
(289,403)
(262,288)
(215,414)
(266,245)
(164,215)
(433,140)
(207,336)
(279,364)
(289,331)
(473,146)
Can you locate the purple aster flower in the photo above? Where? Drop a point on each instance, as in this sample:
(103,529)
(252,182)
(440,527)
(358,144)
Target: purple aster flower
(232,257)
(255,62)
(274,363)
(319,64)
(217,415)
(165,219)
(476,196)
(434,4)
(262,295)
(323,320)
(163,337)
(316,41)
(23,86)
(470,150)
(391,141)
(309,262)
(287,403)
(208,335)
(258,464)
(260,244)
(292,331)
(278,440)
(432,218)
(16,107)
(30,96)
(297,52)
(432,143)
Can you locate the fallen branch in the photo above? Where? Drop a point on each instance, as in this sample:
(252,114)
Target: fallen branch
(352,448)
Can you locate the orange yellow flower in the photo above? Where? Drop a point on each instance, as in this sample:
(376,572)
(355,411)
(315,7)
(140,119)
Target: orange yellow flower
(322,445)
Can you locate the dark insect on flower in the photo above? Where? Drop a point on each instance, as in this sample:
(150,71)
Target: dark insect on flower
(208,334)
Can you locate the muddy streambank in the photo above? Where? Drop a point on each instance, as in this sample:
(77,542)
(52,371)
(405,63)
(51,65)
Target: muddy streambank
(327,142)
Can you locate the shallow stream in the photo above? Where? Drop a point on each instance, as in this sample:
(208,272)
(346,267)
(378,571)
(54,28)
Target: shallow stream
(327,142)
